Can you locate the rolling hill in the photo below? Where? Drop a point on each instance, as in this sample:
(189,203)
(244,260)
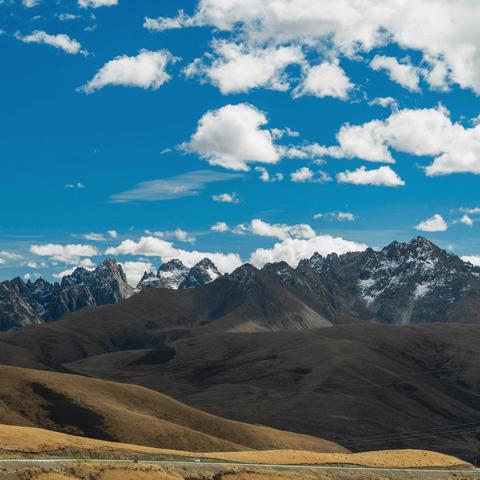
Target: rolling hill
(130,414)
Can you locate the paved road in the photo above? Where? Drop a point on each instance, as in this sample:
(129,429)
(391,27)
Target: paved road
(214,463)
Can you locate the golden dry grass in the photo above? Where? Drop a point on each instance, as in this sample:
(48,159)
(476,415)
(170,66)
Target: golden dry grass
(133,415)
(31,442)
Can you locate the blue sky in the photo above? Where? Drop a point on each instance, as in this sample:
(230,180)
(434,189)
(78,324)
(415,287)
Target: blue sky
(139,147)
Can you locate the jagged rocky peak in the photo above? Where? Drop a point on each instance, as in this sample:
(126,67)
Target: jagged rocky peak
(245,276)
(316,262)
(170,275)
(40,301)
(282,270)
(200,274)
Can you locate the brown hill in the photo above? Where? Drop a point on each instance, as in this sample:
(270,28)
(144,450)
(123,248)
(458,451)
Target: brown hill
(45,443)
(130,414)
(364,386)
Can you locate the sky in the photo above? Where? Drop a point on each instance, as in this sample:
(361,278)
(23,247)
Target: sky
(234,129)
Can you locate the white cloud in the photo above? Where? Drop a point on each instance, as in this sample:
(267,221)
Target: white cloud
(306,175)
(473,259)
(433,224)
(10,255)
(36,265)
(94,237)
(156,247)
(471,210)
(231,137)
(303,174)
(383,176)
(467,220)
(294,250)
(220,227)
(226,198)
(444,32)
(281,231)
(147,70)
(112,233)
(266,177)
(423,132)
(70,254)
(404,74)
(78,185)
(134,271)
(325,80)
(65,17)
(237,68)
(188,184)
(384,102)
(278,133)
(182,235)
(2,261)
(60,41)
(30,3)
(162,23)
(178,234)
(97,3)
(339,216)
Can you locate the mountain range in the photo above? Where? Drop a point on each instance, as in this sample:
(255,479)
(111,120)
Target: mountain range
(369,350)
(404,283)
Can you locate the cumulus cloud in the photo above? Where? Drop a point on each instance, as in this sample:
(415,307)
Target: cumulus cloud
(226,198)
(156,247)
(220,227)
(306,175)
(112,233)
(325,80)
(384,102)
(188,184)
(9,255)
(404,74)
(147,70)
(237,68)
(383,176)
(433,224)
(302,175)
(178,234)
(232,137)
(445,33)
(94,237)
(281,231)
(266,177)
(70,254)
(97,3)
(134,271)
(60,41)
(428,132)
(293,250)
(473,259)
(467,220)
(164,23)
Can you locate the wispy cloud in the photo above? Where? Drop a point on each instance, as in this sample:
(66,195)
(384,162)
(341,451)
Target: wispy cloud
(184,185)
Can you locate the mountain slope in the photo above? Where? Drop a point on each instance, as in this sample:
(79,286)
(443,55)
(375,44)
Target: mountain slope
(246,300)
(130,414)
(405,283)
(363,386)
